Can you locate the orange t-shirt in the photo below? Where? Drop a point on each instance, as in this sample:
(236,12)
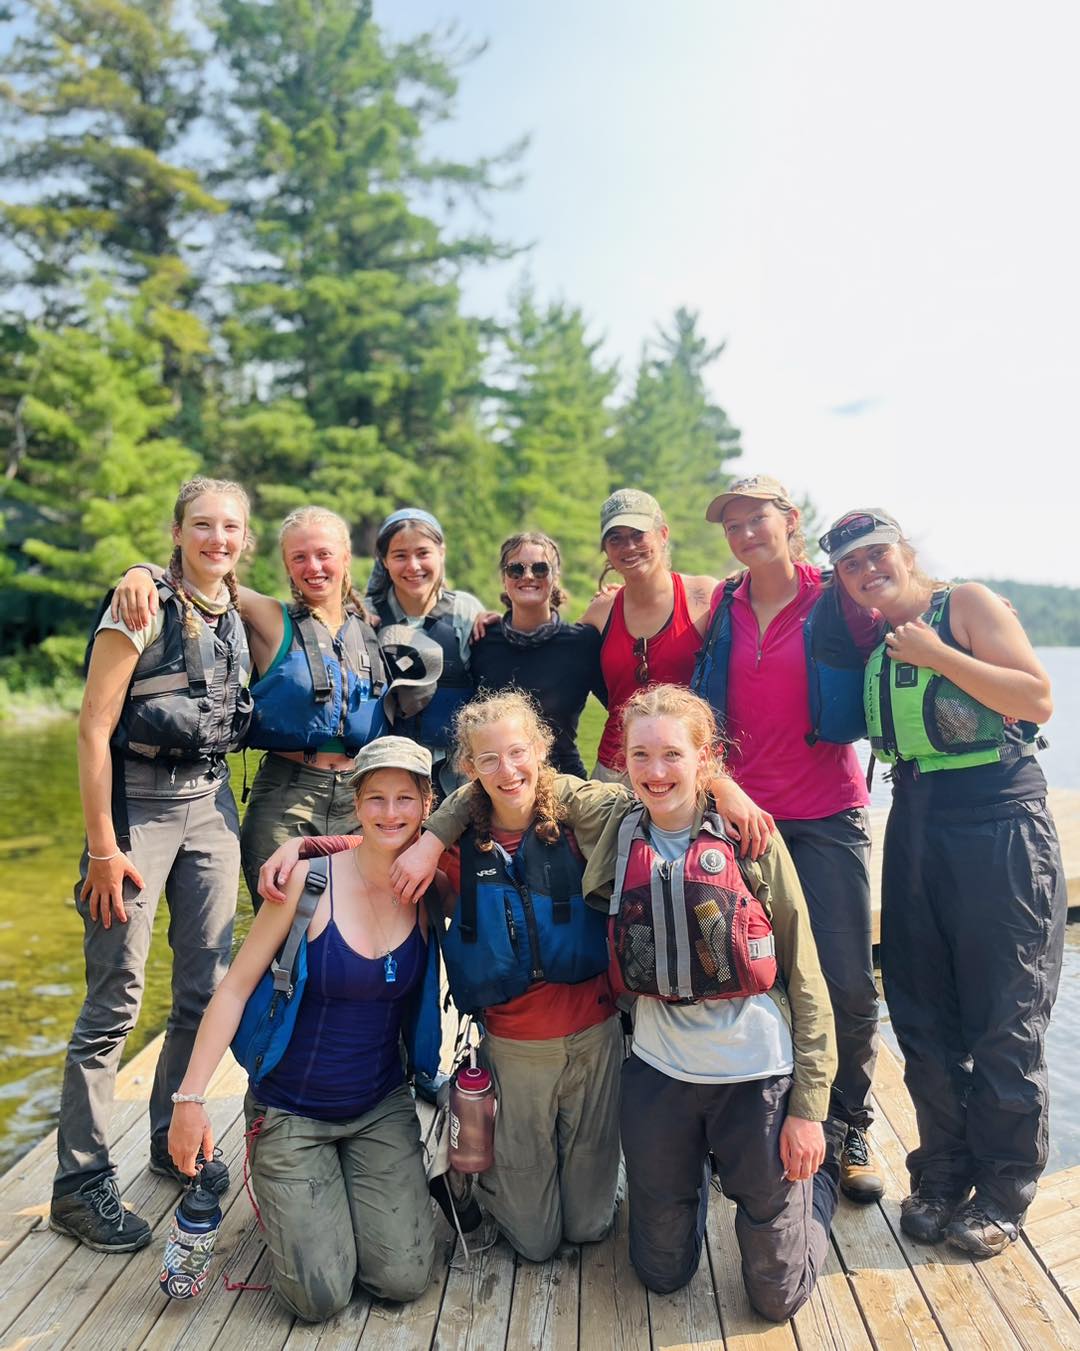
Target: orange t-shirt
(546,1009)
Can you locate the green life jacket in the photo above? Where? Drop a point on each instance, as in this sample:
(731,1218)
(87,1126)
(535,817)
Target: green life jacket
(917,715)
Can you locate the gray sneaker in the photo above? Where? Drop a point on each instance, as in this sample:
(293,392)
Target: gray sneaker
(97,1218)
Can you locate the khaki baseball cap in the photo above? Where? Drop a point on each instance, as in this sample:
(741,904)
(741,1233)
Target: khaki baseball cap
(630,507)
(761,486)
(393,752)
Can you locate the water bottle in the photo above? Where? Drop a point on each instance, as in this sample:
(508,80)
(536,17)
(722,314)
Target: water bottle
(472,1120)
(190,1243)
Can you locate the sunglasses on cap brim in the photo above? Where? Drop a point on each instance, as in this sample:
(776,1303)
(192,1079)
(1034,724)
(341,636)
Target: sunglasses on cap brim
(853,528)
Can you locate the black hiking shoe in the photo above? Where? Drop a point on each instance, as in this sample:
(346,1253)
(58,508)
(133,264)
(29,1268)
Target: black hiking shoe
(859,1178)
(212,1173)
(975,1230)
(924,1218)
(96,1217)
(454,1193)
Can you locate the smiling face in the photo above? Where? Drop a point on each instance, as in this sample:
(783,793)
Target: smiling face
(211,538)
(390,808)
(636,553)
(757,531)
(665,769)
(529,594)
(316,561)
(416,564)
(505,759)
(878,577)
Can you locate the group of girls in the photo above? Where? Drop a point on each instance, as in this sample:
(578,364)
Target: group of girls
(551,890)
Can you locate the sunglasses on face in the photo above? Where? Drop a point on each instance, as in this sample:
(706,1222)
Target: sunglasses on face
(641,656)
(518,570)
(855,527)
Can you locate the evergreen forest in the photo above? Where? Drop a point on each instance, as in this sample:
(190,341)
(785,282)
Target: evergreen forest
(227,248)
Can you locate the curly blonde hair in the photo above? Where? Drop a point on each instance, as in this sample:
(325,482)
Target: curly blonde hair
(482,712)
(695,715)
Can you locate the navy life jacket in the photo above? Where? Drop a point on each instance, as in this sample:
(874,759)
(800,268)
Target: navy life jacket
(519,920)
(834,666)
(433,727)
(325,686)
(188,698)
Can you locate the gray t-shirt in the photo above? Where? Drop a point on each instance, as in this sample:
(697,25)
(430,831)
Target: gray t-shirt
(717,1041)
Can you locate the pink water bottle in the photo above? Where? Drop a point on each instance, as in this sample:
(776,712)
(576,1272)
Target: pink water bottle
(472,1120)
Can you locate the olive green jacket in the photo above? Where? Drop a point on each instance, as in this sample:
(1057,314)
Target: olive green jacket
(595,811)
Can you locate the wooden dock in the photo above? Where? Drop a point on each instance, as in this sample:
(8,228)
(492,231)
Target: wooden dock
(879,1289)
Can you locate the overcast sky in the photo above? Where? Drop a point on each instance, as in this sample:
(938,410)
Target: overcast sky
(876,206)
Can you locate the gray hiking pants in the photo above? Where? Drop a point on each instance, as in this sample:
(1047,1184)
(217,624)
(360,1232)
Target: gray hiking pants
(343,1201)
(188,848)
(289,799)
(832,858)
(556,1170)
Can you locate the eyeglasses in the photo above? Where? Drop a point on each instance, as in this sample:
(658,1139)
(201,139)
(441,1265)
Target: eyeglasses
(518,570)
(641,656)
(855,527)
(490,761)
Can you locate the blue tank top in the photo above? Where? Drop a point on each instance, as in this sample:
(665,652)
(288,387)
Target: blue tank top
(344,1055)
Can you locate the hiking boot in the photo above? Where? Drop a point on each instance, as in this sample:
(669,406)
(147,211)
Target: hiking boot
(975,1230)
(924,1218)
(97,1218)
(212,1173)
(454,1193)
(859,1178)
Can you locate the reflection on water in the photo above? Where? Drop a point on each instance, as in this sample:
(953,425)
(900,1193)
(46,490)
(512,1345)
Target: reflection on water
(41,965)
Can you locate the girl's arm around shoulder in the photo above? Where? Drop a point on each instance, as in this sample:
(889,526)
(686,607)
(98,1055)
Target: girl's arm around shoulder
(812,1030)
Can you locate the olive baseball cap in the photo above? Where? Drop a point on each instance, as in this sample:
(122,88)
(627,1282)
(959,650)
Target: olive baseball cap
(761,486)
(630,507)
(393,752)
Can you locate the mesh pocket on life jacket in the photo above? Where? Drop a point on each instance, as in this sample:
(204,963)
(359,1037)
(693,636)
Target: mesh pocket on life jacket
(958,720)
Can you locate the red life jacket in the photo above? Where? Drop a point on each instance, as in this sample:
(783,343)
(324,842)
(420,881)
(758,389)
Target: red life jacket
(687,930)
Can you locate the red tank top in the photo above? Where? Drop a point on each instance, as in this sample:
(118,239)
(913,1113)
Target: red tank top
(671,654)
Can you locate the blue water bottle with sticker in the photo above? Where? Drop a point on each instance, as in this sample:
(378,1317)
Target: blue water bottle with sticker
(190,1244)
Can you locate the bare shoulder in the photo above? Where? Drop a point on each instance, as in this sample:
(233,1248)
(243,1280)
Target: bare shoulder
(699,591)
(599,609)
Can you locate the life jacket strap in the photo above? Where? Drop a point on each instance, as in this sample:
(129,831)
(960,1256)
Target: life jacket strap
(309,640)
(314,886)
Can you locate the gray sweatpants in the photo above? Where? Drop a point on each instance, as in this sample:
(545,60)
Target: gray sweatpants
(188,848)
(556,1170)
(832,858)
(343,1201)
(289,799)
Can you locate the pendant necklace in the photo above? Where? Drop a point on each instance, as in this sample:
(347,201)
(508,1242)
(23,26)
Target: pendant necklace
(389,960)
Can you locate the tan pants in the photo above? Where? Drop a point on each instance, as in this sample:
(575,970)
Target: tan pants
(557,1162)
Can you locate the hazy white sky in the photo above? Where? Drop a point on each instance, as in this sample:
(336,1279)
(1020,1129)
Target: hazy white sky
(876,206)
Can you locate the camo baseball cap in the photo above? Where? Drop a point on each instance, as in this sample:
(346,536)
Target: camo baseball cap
(630,507)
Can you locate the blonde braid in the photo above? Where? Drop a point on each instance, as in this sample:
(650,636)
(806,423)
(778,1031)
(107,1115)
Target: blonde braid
(192,627)
(549,811)
(480,809)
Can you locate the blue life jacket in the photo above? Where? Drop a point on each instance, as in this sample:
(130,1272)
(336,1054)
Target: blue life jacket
(434,726)
(519,920)
(834,666)
(269,1017)
(325,686)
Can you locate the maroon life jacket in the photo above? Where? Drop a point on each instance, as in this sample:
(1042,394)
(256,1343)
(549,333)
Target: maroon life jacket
(687,930)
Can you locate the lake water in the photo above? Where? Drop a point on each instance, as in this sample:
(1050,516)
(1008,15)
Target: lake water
(41,968)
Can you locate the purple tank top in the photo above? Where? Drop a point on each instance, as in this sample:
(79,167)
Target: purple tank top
(344,1055)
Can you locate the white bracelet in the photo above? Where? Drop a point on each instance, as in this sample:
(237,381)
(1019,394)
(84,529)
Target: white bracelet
(103,858)
(200,1098)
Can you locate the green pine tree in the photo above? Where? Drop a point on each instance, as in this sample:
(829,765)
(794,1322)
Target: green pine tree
(556,424)
(674,441)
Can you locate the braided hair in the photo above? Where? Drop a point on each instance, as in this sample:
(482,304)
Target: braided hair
(189,491)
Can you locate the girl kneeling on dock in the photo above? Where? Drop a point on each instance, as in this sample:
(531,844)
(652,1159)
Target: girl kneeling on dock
(733,1048)
(336,1159)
